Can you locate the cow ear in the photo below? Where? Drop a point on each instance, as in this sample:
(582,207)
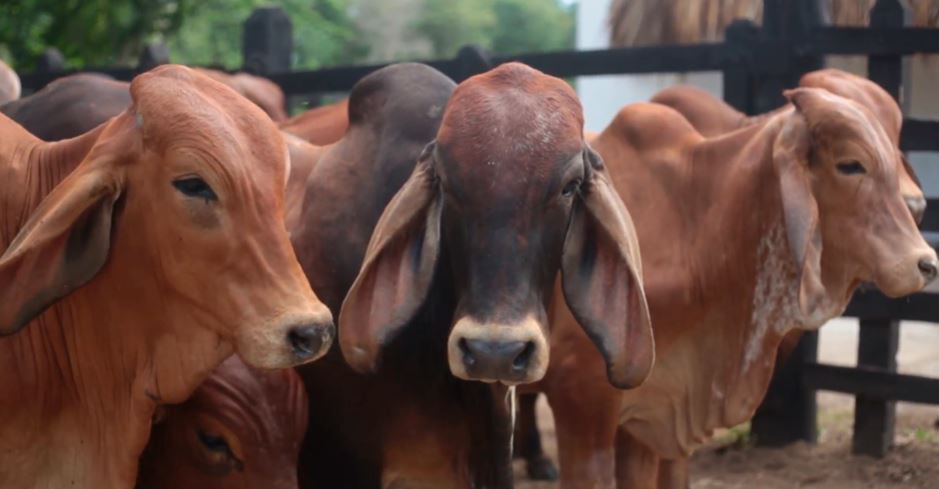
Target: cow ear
(791,157)
(397,271)
(601,274)
(61,247)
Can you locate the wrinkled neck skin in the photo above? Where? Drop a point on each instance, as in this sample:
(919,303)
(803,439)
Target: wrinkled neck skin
(81,381)
(720,305)
(84,388)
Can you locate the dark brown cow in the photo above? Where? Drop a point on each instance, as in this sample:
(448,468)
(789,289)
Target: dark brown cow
(457,271)
(70,106)
(321,125)
(122,308)
(242,428)
(745,238)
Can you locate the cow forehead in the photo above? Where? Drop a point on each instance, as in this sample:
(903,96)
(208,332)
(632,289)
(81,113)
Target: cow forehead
(176,106)
(512,120)
(846,121)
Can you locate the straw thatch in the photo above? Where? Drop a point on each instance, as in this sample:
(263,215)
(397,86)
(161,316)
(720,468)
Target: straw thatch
(648,22)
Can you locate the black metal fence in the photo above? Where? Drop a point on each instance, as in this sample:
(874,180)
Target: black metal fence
(757,64)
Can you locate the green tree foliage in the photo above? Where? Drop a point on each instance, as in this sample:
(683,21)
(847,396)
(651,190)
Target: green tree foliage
(322,29)
(87,32)
(503,26)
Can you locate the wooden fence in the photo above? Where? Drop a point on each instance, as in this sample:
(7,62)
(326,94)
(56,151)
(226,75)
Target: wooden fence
(757,63)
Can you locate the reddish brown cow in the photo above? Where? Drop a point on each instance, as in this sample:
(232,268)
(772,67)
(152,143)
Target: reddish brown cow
(263,92)
(322,125)
(102,344)
(9,84)
(713,117)
(470,246)
(242,428)
(745,237)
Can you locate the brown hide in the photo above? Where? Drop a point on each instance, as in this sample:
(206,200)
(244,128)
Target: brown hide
(321,125)
(70,106)
(130,278)
(744,237)
(242,428)
(713,117)
(9,84)
(264,93)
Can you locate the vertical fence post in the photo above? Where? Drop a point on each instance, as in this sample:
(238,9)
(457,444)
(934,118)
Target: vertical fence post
(472,60)
(879,338)
(267,44)
(154,54)
(741,36)
(50,61)
(788,412)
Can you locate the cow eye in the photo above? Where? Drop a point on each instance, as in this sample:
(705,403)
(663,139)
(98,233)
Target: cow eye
(195,187)
(851,168)
(214,443)
(571,188)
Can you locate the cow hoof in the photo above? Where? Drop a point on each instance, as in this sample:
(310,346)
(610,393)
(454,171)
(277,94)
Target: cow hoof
(542,469)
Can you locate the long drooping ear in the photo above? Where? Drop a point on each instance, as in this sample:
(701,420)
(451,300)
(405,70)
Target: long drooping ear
(61,247)
(601,273)
(397,271)
(791,157)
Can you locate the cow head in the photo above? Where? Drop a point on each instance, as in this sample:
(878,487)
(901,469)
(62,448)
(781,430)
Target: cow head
(886,111)
(510,194)
(241,428)
(177,212)
(845,217)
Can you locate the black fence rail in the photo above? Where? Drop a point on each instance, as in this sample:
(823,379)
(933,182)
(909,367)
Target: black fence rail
(757,64)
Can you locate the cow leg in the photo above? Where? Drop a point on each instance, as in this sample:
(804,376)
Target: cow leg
(528,441)
(673,474)
(586,433)
(637,467)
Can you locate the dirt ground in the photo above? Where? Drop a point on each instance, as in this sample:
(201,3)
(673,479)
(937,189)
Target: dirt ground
(729,462)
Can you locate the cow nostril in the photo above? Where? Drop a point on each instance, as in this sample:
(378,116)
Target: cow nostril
(306,340)
(928,267)
(468,359)
(523,359)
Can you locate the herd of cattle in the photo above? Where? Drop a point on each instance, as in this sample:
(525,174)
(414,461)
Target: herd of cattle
(474,246)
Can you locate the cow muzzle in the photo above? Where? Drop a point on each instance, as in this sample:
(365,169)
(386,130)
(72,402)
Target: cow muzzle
(909,275)
(494,352)
(288,340)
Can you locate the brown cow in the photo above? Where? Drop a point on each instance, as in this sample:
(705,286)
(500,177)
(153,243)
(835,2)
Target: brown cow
(264,93)
(745,237)
(321,125)
(70,106)
(713,117)
(101,344)
(456,273)
(241,428)
(75,104)
(9,84)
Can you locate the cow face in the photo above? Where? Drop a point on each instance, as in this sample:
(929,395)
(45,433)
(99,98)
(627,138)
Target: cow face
(513,194)
(179,205)
(846,218)
(241,428)
(885,109)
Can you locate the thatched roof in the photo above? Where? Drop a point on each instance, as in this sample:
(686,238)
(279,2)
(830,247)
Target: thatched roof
(648,22)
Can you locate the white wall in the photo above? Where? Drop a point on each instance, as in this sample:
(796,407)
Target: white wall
(603,96)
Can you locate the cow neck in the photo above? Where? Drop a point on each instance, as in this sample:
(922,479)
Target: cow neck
(88,374)
(40,166)
(720,315)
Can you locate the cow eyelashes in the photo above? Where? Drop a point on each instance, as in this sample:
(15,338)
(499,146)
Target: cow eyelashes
(195,187)
(571,188)
(214,443)
(851,168)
